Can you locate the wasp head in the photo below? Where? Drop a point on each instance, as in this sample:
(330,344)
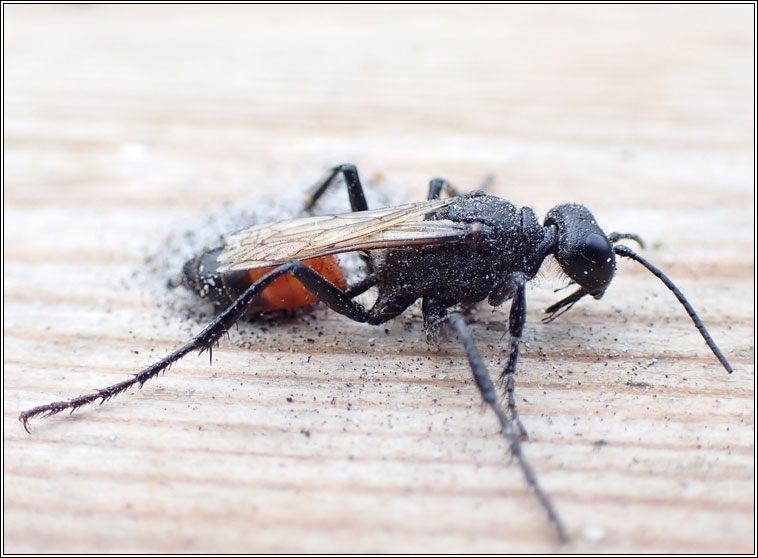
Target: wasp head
(582,249)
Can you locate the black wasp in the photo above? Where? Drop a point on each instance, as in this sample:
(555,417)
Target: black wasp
(457,250)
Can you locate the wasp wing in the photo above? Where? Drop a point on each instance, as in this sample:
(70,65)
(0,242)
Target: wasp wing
(312,237)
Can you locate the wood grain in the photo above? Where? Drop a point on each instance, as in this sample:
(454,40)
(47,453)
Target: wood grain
(125,127)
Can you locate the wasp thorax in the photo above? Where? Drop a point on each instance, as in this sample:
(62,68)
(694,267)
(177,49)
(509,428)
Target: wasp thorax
(582,250)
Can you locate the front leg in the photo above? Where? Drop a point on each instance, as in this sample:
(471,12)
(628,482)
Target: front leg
(516,321)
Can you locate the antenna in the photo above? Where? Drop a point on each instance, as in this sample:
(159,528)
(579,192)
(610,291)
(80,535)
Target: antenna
(629,253)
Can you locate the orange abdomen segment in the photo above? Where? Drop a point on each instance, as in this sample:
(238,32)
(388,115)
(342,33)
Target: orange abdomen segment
(286,292)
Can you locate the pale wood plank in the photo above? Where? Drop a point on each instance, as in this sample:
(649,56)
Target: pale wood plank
(126,126)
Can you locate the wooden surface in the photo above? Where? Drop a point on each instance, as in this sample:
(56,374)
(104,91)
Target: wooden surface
(126,127)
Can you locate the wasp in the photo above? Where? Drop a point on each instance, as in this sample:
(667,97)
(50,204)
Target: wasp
(456,250)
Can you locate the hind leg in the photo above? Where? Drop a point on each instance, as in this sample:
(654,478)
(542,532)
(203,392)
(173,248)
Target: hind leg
(352,181)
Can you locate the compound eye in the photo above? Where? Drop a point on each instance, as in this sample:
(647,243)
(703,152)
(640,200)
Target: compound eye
(596,248)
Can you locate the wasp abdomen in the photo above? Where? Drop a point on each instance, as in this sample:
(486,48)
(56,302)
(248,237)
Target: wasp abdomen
(202,276)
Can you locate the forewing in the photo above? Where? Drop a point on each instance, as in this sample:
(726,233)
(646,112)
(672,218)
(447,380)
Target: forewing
(311,237)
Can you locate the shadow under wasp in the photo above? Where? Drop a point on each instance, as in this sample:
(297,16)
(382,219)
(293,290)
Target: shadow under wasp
(446,251)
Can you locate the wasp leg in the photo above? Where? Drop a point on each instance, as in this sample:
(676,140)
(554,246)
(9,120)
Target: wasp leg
(490,396)
(361,286)
(516,322)
(335,298)
(436,187)
(385,308)
(487,183)
(435,315)
(203,341)
(354,193)
(353,182)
